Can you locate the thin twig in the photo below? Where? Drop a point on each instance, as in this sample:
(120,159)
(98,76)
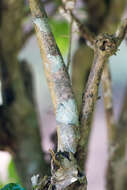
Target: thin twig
(84,31)
(121,32)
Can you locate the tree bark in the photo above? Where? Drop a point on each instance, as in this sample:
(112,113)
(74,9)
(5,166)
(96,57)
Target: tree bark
(64,167)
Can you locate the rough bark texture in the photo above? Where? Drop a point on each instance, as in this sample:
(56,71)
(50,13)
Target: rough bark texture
(58,81)
(110,25)
(83,57)
(105,46)
(65,170)
(87,110)
(19,133)
(105,19)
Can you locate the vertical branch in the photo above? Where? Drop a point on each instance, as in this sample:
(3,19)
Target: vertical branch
(110,45)
(116,132)
(105,19)
(58,81)
(108,105)
(116,175)
(105,46)
(64,166)
(63,98)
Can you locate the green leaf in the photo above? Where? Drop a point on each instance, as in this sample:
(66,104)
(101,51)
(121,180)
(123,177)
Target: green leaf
(60,31)
(12,173)
(12,186)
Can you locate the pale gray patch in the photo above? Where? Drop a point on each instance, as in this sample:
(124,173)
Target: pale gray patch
(68,140)
(56,62)
(42,24)
(35,180)
(67,113)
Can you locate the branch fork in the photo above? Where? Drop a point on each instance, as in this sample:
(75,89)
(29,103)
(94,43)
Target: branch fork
(66,171)
(71,143)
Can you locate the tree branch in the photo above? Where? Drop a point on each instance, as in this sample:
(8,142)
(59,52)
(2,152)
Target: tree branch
(64,166)
(107,92)
(121,32)
(57,76)
(105,46)
(116,132)
(117,153)
(84,31)
(108,105)
(62,96)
